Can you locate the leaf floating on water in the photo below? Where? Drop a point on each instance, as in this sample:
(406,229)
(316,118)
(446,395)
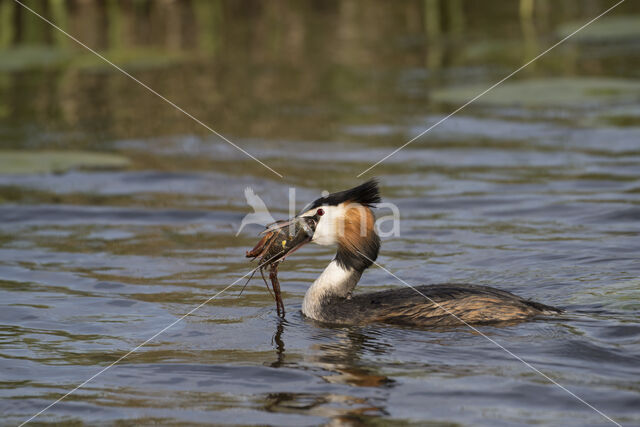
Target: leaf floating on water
(49,161)
(554,92)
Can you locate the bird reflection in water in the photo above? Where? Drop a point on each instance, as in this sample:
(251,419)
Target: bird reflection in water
(339,360)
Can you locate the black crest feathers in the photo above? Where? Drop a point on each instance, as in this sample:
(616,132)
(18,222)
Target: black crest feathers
(366,194)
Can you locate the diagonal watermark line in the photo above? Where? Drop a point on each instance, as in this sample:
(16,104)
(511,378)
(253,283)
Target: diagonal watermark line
(195,119)
(121,358)
(490,88)
(496,343)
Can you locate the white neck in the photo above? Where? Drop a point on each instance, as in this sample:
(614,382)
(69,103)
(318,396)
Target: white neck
(334,281)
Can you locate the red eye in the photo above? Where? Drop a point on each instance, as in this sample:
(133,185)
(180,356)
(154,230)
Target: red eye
(320,212)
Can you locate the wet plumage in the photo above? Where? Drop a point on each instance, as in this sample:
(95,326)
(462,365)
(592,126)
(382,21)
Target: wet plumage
(432,305)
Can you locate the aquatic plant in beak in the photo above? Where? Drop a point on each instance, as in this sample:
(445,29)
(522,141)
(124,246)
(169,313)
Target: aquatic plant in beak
(279,240)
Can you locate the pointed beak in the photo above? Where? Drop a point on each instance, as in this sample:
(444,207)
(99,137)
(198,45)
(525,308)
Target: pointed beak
(284,237)
(301,233)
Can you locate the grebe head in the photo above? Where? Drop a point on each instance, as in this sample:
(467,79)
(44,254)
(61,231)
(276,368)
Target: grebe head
(346,220)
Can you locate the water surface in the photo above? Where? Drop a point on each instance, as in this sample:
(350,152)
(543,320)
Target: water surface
(527,191)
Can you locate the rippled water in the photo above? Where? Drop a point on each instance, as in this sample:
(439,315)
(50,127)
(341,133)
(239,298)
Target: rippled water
(538,198)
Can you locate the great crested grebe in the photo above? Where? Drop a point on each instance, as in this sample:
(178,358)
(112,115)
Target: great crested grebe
(345,219)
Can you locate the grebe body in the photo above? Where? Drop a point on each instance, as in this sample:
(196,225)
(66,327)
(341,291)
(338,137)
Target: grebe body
(443,305)
(448,304)
(346,221)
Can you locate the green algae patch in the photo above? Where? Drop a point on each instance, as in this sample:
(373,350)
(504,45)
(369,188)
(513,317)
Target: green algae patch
(33,57)
(44,57)
(50,161)
(607,29)
(556,92)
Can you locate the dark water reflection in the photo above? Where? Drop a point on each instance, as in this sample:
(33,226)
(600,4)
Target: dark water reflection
(537,194)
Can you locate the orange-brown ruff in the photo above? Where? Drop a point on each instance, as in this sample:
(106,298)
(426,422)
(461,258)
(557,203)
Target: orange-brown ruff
(357,224)
(348,222)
